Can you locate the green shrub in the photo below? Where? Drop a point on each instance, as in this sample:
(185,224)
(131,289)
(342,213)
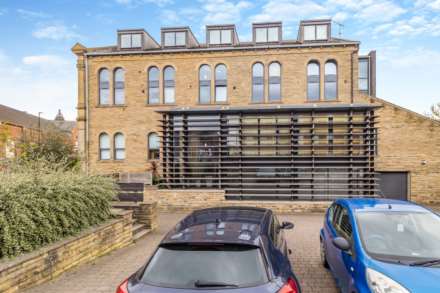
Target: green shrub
(41,203)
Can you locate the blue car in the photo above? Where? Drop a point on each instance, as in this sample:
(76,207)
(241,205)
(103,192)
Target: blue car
(228,249)
(382,245)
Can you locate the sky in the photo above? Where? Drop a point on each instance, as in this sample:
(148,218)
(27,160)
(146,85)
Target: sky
(38,73)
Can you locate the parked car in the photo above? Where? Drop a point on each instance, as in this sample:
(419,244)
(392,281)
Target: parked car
(382,245)
(233,249)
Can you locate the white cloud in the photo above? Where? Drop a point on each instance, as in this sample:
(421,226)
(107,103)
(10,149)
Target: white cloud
(415,26)
(433,4)
(134,3)
(223,11)
(376,11)
(2,11)
(55,32)
(340,16)
(289,11)
(30,14)
(37,83)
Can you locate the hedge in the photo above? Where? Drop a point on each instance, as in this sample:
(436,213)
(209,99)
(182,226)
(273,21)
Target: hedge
(40,204)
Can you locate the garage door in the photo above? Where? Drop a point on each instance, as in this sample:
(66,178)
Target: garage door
(394,185)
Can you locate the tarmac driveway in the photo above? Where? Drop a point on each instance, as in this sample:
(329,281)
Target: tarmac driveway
(105,273)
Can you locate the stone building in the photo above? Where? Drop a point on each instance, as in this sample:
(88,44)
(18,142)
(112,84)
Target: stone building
(268,118)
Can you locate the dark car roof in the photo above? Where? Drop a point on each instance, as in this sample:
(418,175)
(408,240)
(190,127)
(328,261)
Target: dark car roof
(226,225)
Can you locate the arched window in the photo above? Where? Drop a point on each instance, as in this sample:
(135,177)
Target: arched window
(313,83)
(331,80)
(258,83)
(104,146)
(104,87)
(119,84)
(153,146)
(119,146)
(169,75)
(205,84)
(153,85)
(274,81)
(221,87)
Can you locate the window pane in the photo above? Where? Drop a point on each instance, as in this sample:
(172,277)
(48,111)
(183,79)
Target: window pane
(330,90)
(274,92)
(136,41)
(272,34)
(180,39)
(220,93)
(257,93)
(153,74)
(220,72)
(168,73)
(312,69)
(274,69)
(153,96)
(313,91)
(330,68)
(126,41)
(214,37)
(119,97)
(309,32)
(205,94)
(169,95)
(104,141)
(104,96)
(205,72)
(226,36)
(119,141)
(120,154)
(169,39)
(321,32)
(363,84)
(363,68)
(105,155)
(153,141)
(258,70)
(261,35)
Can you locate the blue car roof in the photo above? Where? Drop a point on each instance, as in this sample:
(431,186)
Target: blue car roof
(380,204)
(225,225)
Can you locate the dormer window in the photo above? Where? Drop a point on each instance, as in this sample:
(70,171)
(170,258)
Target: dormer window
(315,32)
(174,39)
(267,32)
(220,37)
(264,35)
(135,39)
(131,41)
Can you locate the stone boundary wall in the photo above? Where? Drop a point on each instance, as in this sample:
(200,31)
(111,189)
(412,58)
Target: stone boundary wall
(185,200)
(50,261)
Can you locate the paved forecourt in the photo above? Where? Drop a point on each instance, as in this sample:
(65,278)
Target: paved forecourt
(105,273)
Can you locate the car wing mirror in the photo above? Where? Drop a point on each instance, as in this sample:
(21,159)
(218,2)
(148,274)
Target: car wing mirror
(341,243)
(287,225)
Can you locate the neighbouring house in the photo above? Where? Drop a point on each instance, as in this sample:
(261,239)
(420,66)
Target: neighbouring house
(268,118)
(17,127)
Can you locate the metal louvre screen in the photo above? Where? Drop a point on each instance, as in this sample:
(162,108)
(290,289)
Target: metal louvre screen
(276,153)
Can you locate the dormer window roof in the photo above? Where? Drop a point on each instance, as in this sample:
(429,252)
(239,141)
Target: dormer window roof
(178,37)
(268,32)
(315,30)
(221,35)
(135,39)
